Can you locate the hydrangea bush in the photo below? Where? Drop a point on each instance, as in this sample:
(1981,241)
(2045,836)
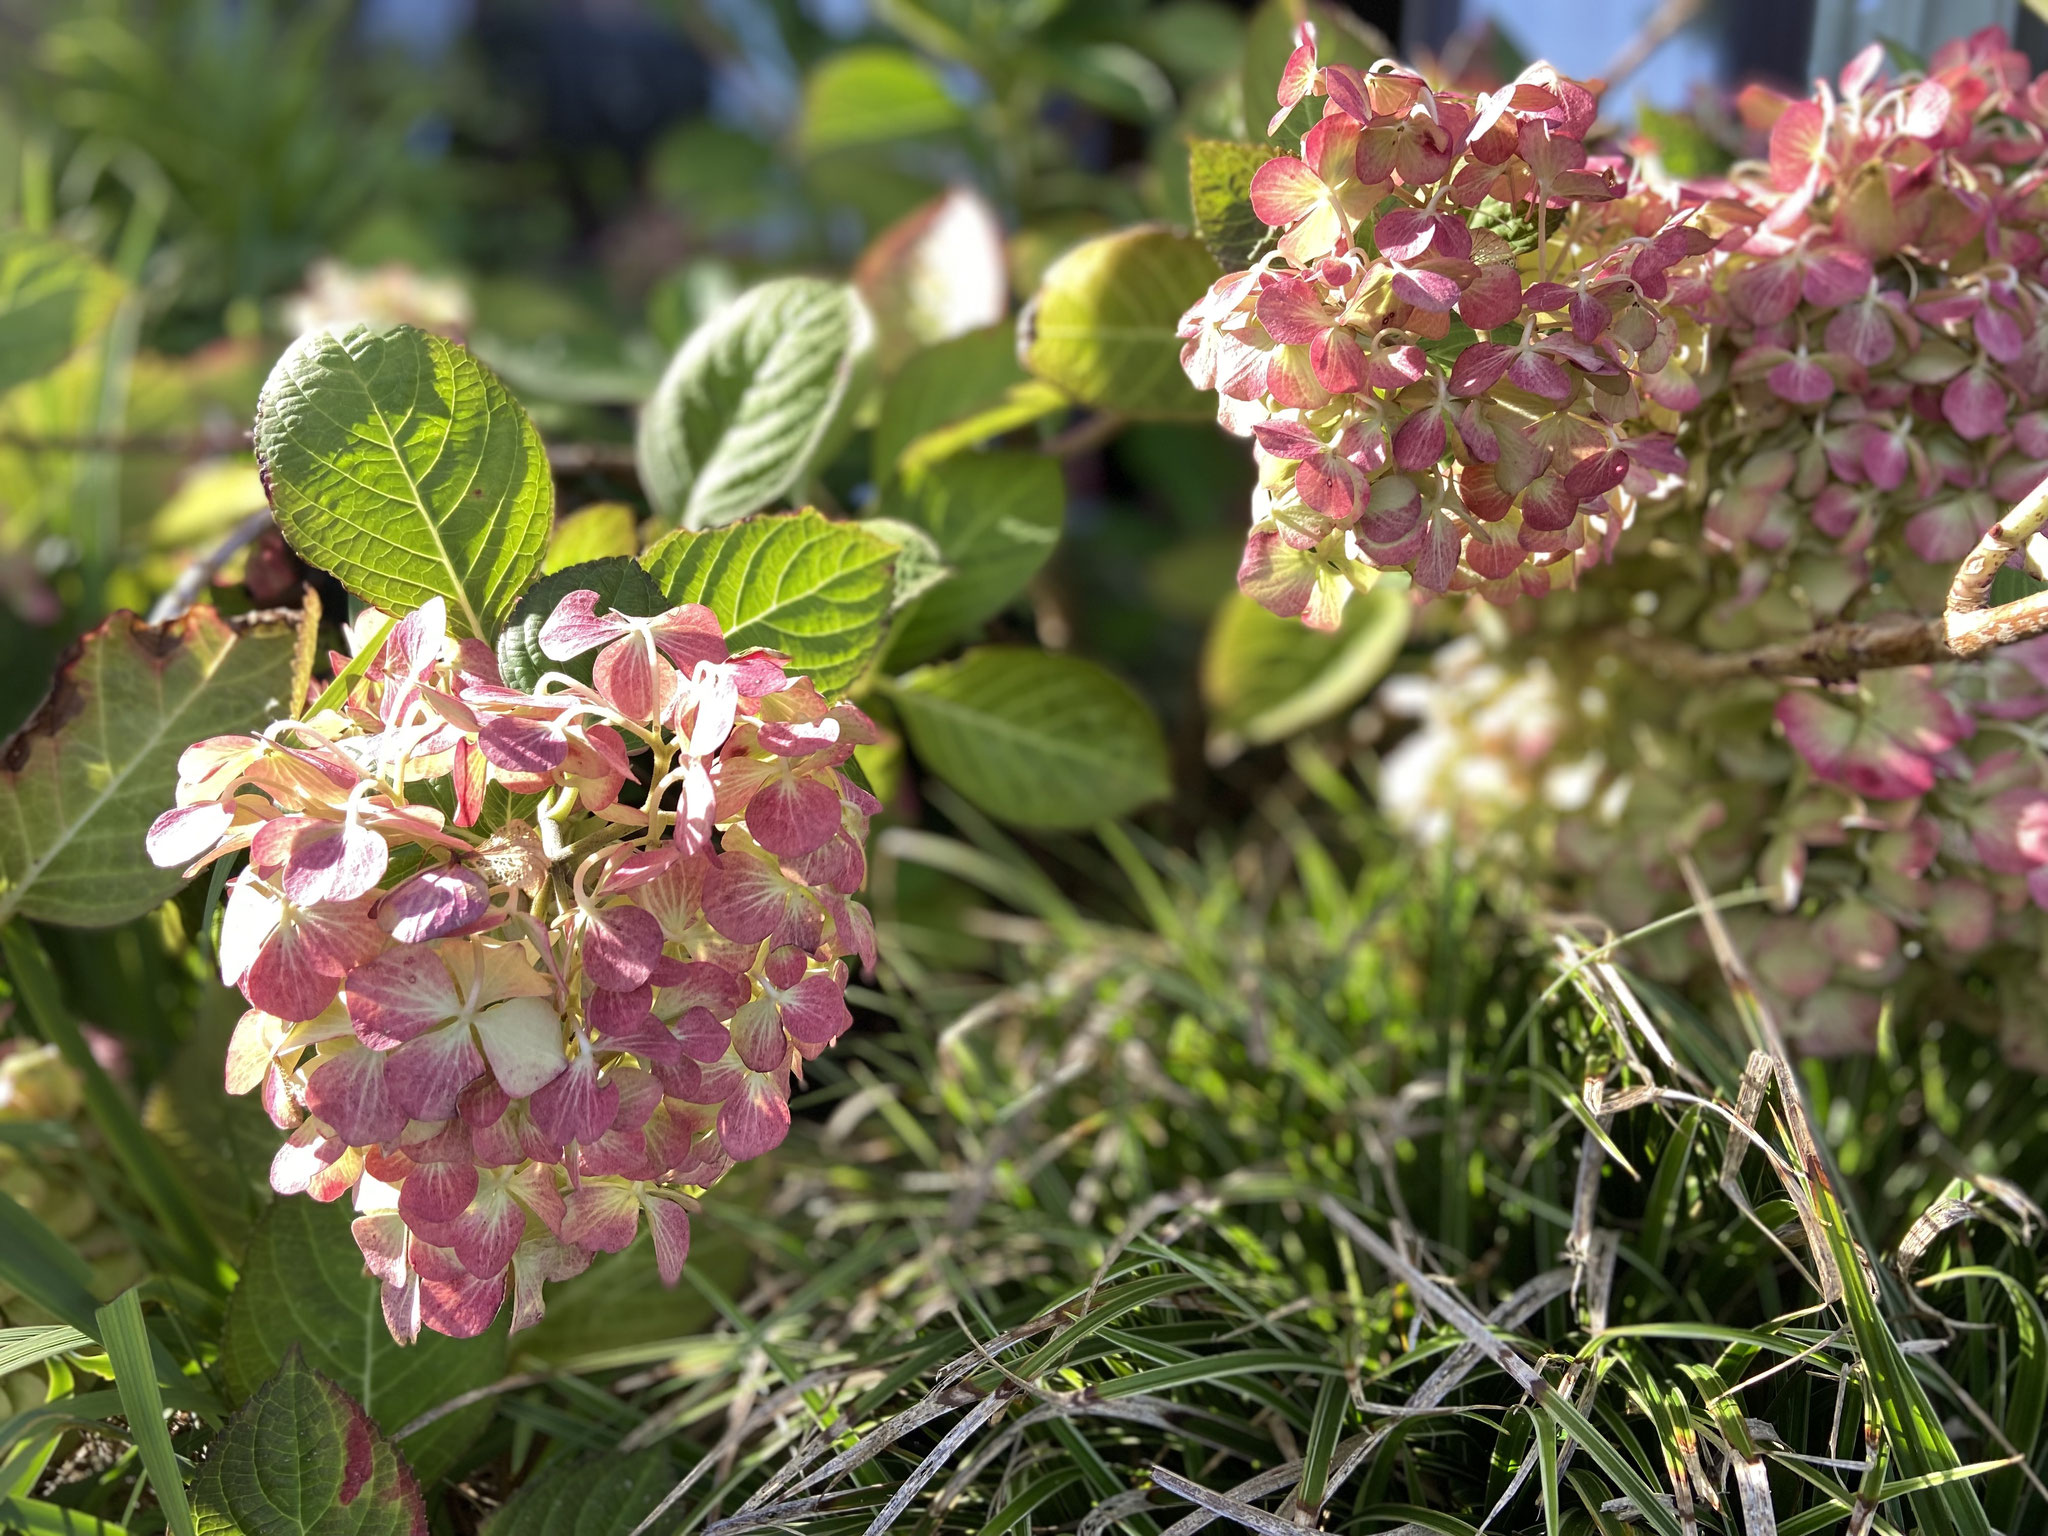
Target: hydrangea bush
(527,964)
(1752,440)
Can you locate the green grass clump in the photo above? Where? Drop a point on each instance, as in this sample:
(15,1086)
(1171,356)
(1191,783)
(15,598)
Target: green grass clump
(1306,1193)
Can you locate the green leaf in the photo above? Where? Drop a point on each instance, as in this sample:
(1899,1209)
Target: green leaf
(401,464)
(941,385)
(919,565)
(304,1287)
(815,590)
(1035,738)
(754,401)
(592,533)
(2007,1492)
(1220,190)
(222,1145)
(127,1342)
(863,96)
(37,1342)
(83,779)
(53,299)
(621,584)
(302,1458)
(43,1267)
(995,518)
(1020,406)
(1685,147)
(2010,585)
(601,1495)
(39,1517)
(1341,38)
(1264,677)
(1102,326)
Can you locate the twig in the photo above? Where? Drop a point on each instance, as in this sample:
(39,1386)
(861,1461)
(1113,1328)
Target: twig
(593,459)
(1089,433)
(197,576)
(1658,28)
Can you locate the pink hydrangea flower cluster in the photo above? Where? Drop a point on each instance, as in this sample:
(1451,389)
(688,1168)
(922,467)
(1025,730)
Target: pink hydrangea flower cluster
(525,966)
(1877,305)
(1867,334)
(1451,361)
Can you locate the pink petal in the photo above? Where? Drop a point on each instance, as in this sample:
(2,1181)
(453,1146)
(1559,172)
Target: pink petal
(1479,367)
(601,1215)
(747,899)
(519,745)
(437,1192)
(575,627)
(755,1119)
(1427,290)
(814,1011)
(425,1076)
(757,1037)
(1330,485)
(1493,298)
(487,1234)
(688,634)
(334,861)
(1836,275)
(620,945)
(575,1106)
(462,1306)
(1419,441)
(1974,404)
(1284,189)
(189,832)
(1802,381)
(631,678)
(434,904)
(348,1091)
(670,1224)
(1290,311)
(400,995)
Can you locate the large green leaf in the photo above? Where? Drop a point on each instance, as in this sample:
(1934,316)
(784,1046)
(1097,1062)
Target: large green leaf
(995,518)
(82,780)
(1220,192)
(221,1145)
(754,401)
(304,1286)
(813,589)
(1102,326)
(601,1495)
(1265,678)
(1034,738)
(863,96)
(400,463)
(302,1458)
(941,385)
(53,299)
(621,584)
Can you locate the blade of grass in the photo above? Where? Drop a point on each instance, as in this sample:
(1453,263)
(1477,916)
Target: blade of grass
(2006,1493)
(128,1347)
(22,1347)
(1323,1430)
(1912,1427)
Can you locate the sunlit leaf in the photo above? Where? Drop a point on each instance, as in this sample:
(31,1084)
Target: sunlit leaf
(1035,738)
(995,518)
(1102,326)
(1264,677)
(53,298)
(754,401)
(1220,191)
(399,463)
(863,96)
(937,273)
(813,589)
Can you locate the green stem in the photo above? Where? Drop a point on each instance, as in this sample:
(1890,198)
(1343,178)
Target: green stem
(146,1164)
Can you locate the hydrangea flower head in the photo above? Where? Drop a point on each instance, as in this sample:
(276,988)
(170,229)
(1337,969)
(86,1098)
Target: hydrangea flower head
(524,966)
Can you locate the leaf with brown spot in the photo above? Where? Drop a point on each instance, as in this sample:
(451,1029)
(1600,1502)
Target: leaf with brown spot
(83,779)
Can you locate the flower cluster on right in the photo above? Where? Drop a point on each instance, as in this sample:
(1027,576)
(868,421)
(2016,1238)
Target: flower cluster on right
(1860,353)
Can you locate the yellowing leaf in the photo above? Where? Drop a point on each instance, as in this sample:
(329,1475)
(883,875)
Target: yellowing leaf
(1102,326)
